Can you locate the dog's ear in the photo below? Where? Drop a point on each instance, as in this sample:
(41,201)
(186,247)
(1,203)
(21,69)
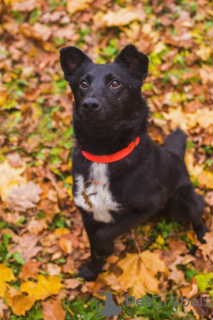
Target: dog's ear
(71,59)
(134,60)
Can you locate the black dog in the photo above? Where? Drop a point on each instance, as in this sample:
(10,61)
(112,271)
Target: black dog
(121,178)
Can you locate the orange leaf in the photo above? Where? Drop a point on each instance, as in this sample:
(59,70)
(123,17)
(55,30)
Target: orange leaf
(19,302)
(30,270)
(52,310)
(139,273)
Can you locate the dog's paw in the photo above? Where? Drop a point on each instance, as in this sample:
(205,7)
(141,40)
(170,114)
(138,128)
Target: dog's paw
(201,233)
(88,272)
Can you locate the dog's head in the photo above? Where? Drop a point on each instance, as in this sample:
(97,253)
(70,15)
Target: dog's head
(105,94)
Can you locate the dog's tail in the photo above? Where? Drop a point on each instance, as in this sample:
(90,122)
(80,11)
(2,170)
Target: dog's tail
(176,142)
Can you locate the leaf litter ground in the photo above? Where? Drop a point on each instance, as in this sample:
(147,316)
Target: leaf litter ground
(42,239)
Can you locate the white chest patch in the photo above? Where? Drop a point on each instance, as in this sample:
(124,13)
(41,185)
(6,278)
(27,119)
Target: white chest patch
(96,197)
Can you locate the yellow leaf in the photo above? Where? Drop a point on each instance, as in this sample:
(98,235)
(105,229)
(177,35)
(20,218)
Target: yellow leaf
(74,6)
(60,231)
(10,178)
(19,302)
(69,180)
(6,275)
(43,288)
(204,52)
(139,273)
(205,179)
(160,240)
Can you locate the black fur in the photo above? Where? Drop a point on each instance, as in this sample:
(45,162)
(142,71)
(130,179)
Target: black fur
(106,119)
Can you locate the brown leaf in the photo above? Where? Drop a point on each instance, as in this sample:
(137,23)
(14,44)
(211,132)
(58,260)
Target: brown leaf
(3,307)
(27,247)
(72,283)
(30,270)
(37,226)
(15,160)
(24,197)
(207,248)
(52,310)
(53,269)
(38,31)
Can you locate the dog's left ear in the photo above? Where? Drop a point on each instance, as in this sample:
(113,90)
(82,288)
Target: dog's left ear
(71,59)
(134,60)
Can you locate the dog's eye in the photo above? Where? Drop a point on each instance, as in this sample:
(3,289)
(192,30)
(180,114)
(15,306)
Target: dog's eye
(115,84)
(84,84)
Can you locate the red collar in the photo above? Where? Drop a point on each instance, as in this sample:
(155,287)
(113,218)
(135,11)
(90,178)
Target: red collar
(115,156)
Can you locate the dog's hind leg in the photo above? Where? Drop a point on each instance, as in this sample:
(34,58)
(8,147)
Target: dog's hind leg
(176,142)
(185,204)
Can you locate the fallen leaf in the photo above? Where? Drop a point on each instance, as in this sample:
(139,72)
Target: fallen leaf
(43,287)
(24,197)
(65,244)
(10,178)
(139,273)
(6,275)
(19,302)
(53,269)
(38,31)
(72,283)
(27,247)
(74,6)
(30,270)
(37,226)
(52,310)
(119,18)
(207,248)
(3,307)
(15,160)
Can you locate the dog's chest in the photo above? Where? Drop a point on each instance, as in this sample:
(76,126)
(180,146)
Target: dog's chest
(94,195)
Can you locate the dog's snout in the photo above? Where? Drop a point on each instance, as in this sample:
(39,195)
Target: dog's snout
(91,104)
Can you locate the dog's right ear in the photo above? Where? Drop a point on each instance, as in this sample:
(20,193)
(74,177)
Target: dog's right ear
(71,59)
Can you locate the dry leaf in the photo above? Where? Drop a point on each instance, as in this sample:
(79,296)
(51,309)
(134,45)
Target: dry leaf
(72,283)
(74,6)
(3,307)
(43,288)
(53,269)
(38,31)
(30,270)
(139,273)
(65,244)
(10,178)
(207,248)
(24,197)
(15,160)
(119,18)
(19,302)
(6,275)
(36,226)
(52,310)
(27,247)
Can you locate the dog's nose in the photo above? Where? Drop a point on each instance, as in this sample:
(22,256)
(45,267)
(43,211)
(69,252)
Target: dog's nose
(91,104)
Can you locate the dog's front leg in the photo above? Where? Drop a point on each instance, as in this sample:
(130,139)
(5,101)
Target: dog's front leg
(112,231)
(99,251)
